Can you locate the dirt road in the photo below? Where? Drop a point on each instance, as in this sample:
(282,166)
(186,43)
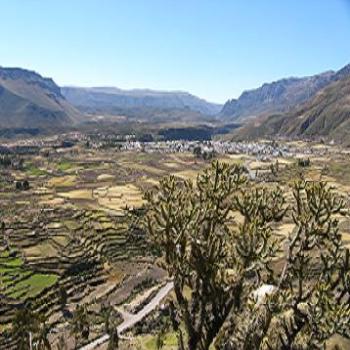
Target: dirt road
(131,319)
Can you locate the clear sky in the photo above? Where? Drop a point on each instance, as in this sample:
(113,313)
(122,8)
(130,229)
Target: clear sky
(212,48)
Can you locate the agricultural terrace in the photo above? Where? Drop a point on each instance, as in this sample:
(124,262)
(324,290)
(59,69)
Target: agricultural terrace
(73,228)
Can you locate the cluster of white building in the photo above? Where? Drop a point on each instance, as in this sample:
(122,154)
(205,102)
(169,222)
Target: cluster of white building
(259,149)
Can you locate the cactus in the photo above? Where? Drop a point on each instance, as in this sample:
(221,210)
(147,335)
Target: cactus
(224,262)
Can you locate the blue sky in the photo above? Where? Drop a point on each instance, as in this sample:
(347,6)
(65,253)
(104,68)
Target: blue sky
(212,48)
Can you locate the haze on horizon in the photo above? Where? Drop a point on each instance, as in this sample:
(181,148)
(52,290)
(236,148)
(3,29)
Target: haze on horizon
(212,49)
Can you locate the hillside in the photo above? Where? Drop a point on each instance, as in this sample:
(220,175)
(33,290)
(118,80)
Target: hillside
(280,96)
(27,100)
(326,115)
(110,100)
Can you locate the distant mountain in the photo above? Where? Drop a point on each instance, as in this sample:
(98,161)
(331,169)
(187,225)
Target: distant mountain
(326,115)
(110,100)
(280,96)
(27,100)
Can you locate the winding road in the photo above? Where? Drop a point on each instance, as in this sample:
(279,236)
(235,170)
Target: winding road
(131,319)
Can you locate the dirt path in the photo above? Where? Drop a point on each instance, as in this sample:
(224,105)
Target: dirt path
(131,319)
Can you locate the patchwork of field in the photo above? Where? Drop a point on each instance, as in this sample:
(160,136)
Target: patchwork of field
(109,181)
(73,227)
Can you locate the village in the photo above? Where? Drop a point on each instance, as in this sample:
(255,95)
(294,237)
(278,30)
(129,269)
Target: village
(263,150)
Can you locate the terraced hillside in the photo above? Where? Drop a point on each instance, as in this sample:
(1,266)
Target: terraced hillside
(55,248)
(67,224)
(71,229)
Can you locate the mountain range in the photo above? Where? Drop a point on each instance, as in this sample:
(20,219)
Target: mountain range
(279,96)
(111,100)
(29,100)
(325,115)
(312,106)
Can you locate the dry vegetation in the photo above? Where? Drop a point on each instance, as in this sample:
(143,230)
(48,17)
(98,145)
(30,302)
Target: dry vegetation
(76,213)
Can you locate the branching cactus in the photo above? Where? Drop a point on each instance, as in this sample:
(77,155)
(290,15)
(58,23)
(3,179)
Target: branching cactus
(239,285)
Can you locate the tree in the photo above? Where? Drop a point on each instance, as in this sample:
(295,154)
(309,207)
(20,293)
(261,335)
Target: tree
(31,330)
(62,296)
(228,265)
(112,331)
(25,185)
(41,339)
(22,185)
(304,162)
(25,324)
(274,167)
(111,325)
(160,339)
(2,232)
(80,324)
(197,151)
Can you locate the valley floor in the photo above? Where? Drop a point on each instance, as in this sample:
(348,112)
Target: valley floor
(72,228)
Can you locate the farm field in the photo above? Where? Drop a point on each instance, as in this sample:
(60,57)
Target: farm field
(73,229)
